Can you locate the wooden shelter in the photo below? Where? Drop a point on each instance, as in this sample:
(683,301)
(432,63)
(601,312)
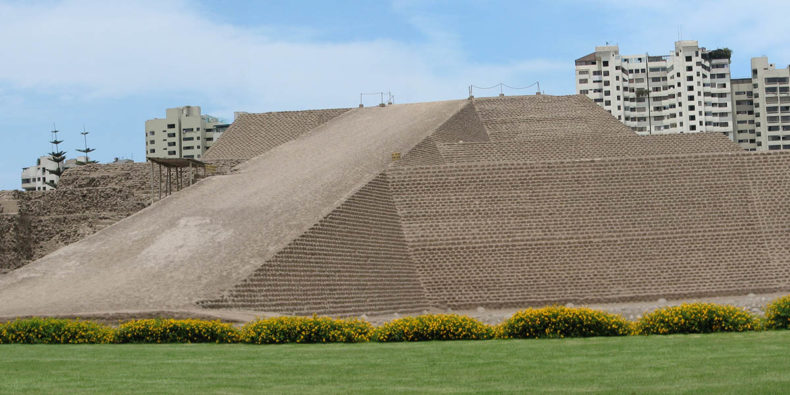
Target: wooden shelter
(177,166)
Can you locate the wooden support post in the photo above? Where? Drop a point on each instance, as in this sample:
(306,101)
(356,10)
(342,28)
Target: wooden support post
(152,182)
(160,180)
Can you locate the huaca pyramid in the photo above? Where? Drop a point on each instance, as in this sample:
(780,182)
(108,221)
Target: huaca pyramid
(495,202)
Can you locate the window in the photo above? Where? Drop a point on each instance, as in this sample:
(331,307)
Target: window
(171,144)
(189,147)
(171,152)
(171,135)
(151,133)
(606,63)
(188,138)
(583,81)
(151,141)
(187,130)
(151,150)
(688,68)
(171,126)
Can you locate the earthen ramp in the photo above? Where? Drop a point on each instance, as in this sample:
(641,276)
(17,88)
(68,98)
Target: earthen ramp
(200,242)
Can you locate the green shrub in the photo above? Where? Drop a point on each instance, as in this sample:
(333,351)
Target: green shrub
(433,327)
(696,318)
(176,331)
(306,330)
(559,322)
(777,313)
(54,331)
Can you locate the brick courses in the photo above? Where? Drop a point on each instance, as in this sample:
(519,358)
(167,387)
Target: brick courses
(253,134)
(589,231)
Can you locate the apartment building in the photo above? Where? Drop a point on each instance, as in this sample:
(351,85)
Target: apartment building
(183,133)
(687,91)
(744,125)
(771,99)
(38,177)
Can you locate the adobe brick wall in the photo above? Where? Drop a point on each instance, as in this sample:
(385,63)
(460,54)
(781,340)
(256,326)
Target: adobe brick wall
(253,134)
(626,229)
(583,147)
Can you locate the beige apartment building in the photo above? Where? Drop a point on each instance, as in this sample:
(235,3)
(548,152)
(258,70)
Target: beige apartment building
(183,133)
(687,91)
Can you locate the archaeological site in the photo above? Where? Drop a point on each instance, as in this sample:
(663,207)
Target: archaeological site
(482,203)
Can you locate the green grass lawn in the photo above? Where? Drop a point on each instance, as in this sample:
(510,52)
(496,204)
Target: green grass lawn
(756,362)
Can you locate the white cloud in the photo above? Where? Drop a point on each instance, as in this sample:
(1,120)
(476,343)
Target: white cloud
(104,49)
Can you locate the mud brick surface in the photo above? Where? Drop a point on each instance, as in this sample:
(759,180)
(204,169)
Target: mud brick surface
(613,230)
(253,134)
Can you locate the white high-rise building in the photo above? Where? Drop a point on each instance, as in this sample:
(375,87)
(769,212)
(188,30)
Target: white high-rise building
(40,176)
(771,99)
(687,91)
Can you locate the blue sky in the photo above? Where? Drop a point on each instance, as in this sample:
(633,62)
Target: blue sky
(110,65)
